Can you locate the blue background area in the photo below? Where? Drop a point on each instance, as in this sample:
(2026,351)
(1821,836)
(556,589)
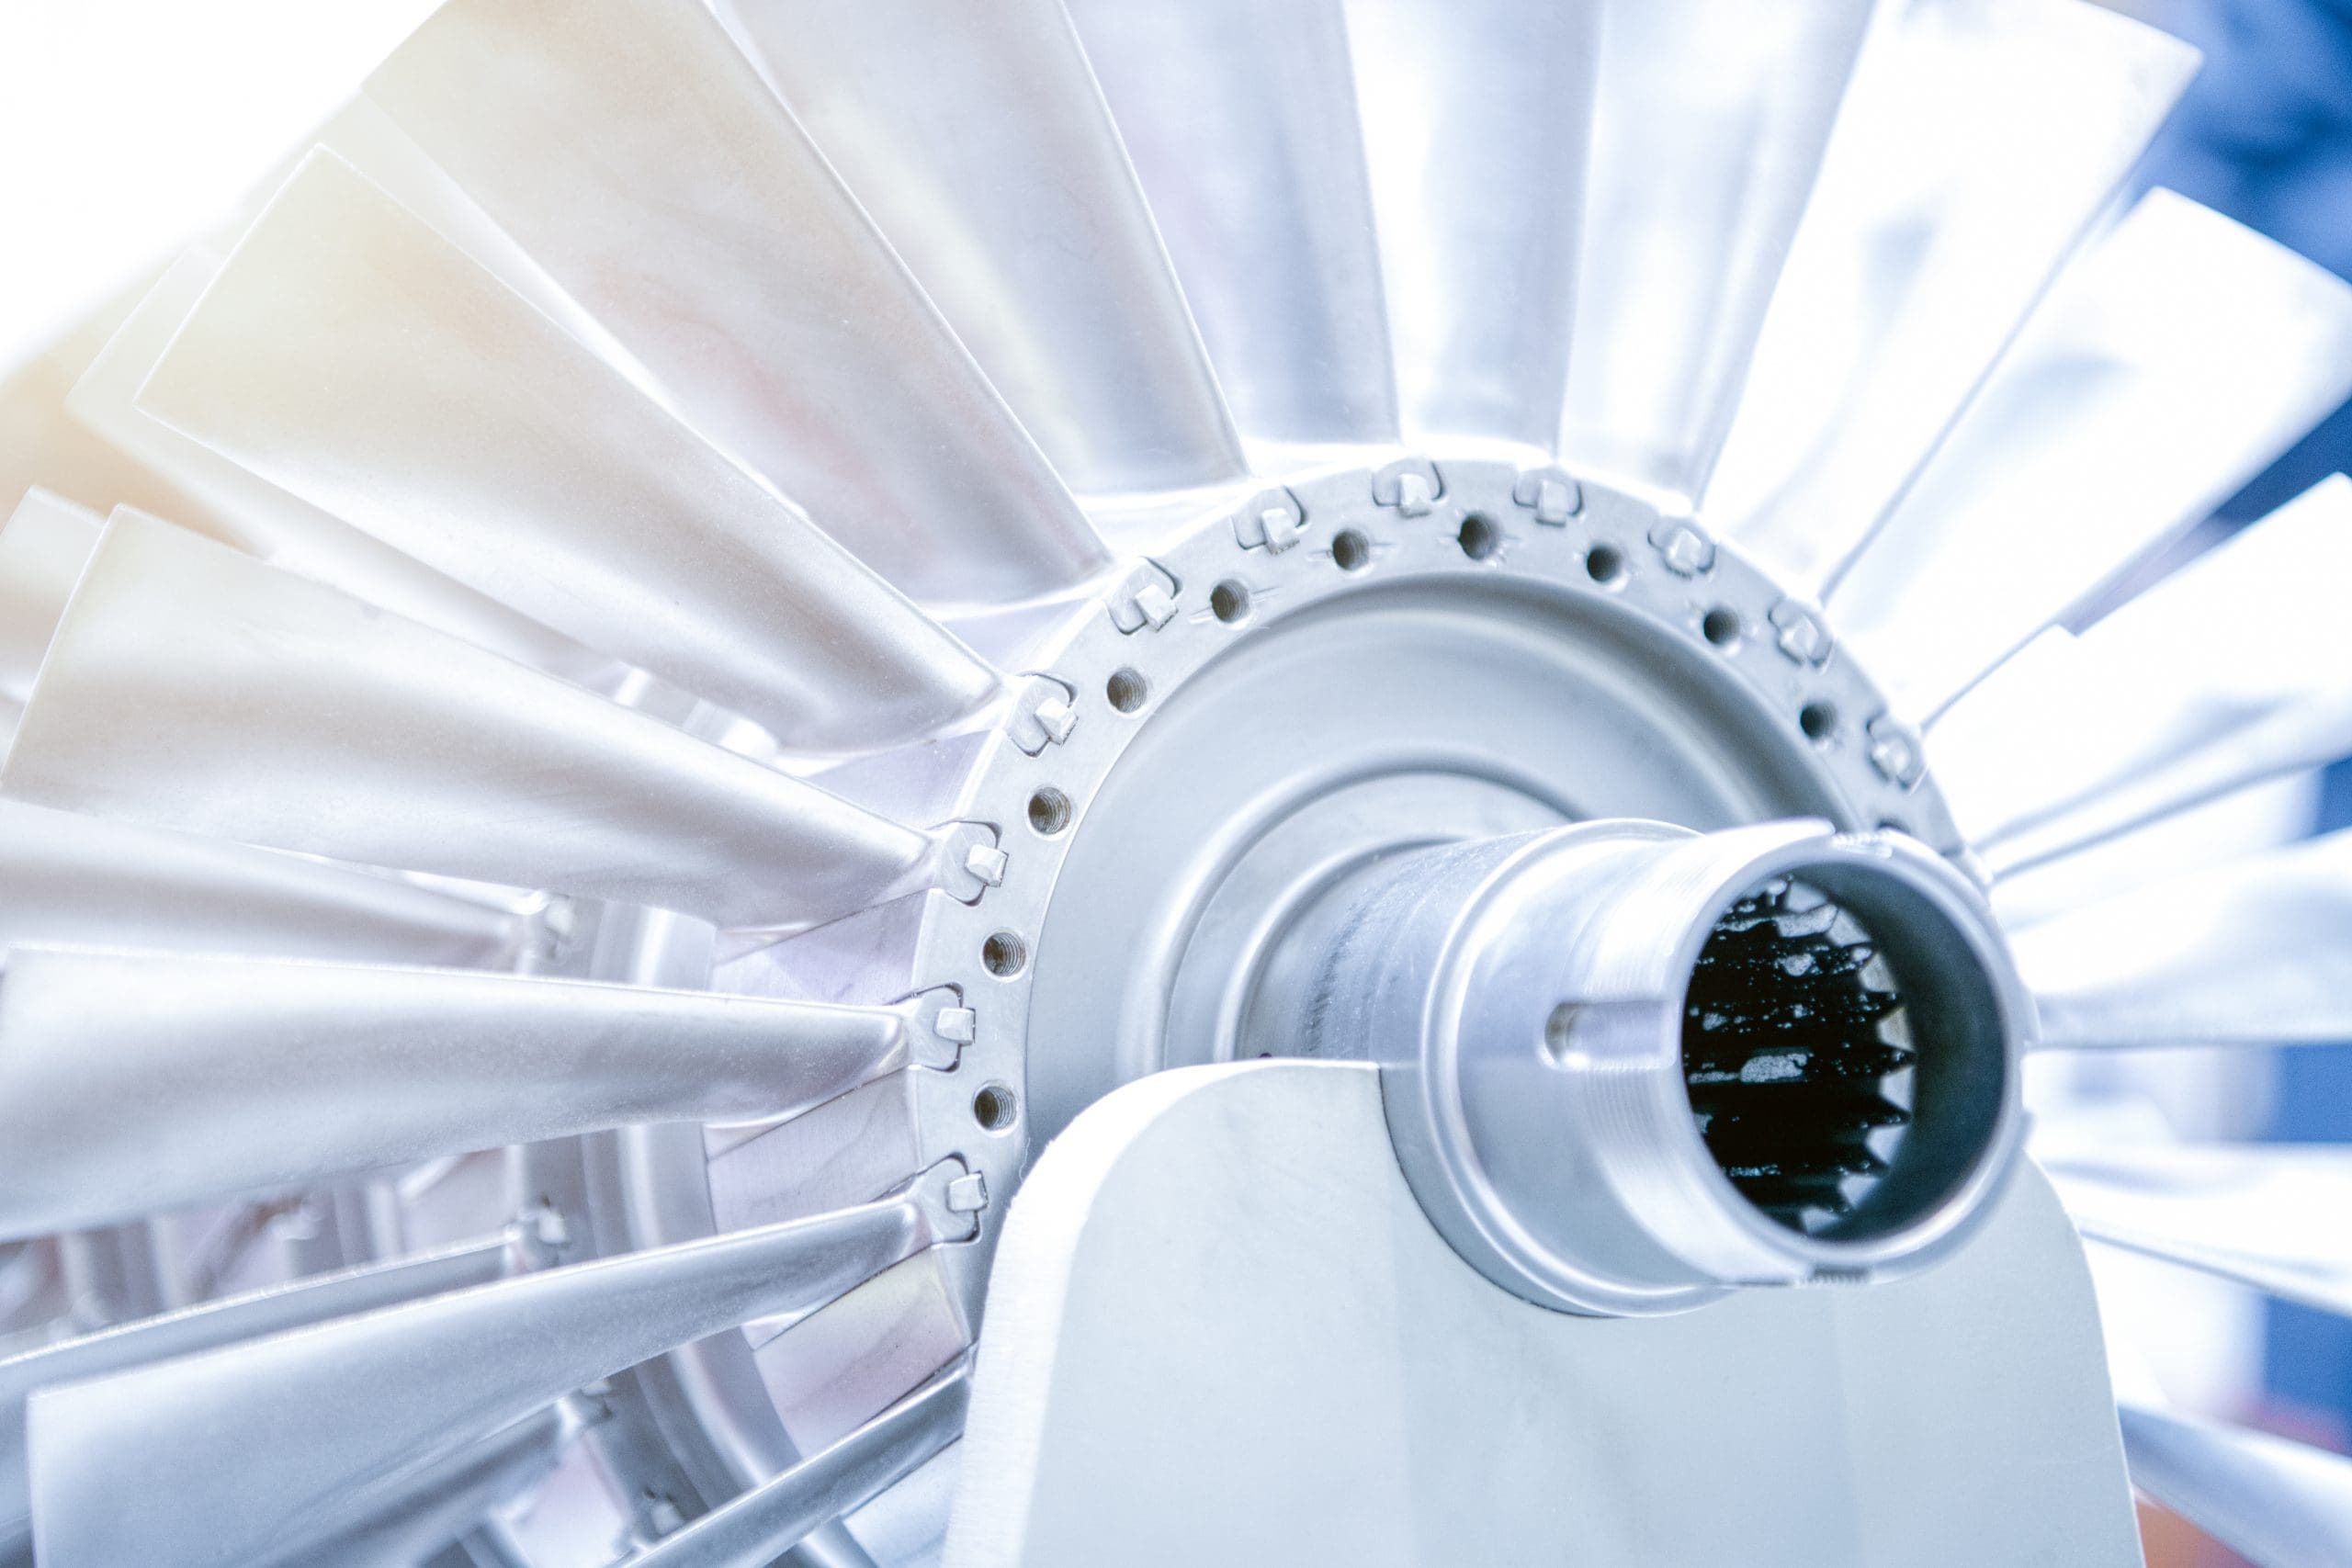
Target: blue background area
(2264,135)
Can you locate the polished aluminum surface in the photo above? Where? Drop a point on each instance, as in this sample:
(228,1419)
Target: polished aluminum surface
(1025,228)
(82,880)
(637,153)
(43,548)
(135,1082)
(428,1510)
(1979,141)
(1525,996)
(1241,120)
(1477,118)
(2282,1504)
(761,1526)
(319,1416)
(1707,136)
(349,355)
(211,1324)
(2169,364)
(192,687)
(2230,670)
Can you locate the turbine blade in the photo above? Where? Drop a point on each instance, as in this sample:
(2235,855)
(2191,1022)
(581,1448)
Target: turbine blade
(2226,673)
(350,354)
(2244,1214)
(1477,118)
(2255,953)
(977,140)
(67,879)
(1711,120)
(2169,364)
(764,1523)
(46,542)
(131,1082)
(1979,141)
(210,1325)
(257,517)
(273,1438)
(2280,1504)
(192,687)
(1242,120)
(637,155)
(433,1507)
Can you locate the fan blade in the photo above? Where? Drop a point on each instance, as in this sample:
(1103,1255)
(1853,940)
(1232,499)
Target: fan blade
(1980,140)
(46,542)
(2169,364)
(2280,1504)
(2245,1213)
(764,1523)
(977,141)
(441,1502)
(210,1326)
(131,1082)
(1242,120)
(1708,132)
(193,687)
(2228,671)
(2258,951)
(1477,118)
(353,357)
(262,520)
(267,1437)
(637,154)
(69,879)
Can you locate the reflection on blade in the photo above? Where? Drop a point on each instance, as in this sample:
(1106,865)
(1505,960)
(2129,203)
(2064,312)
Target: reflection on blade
(764,1523)
(353,357)
(1980,140)
(2169,364)
(1242,120)
(192,687)
(2228,671)
(640,159)
(131,1082)
(43,548)
(2280,1504)
(1711,120)
(84,881)
(977,140)
(2258,951)
(1477,121)
(272,1440)
(2245,1213)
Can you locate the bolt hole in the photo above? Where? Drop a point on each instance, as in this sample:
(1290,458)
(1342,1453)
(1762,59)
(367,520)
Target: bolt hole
(1004,953)
(1229,601)
(1127,689)
(1818,720)
(1049,811)
(1479,537)
(1605,563)
(994,1107)
(1351,550)
(1721,626)
(1559,1031)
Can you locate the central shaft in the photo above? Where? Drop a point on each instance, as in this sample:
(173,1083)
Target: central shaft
(1628,1067)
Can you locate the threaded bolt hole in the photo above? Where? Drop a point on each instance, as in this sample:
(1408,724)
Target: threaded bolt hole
(1479,538)
(994,1107)
(1604,564)
(1048,812)
(1004,955)
(1127,690)
(1229,601)
(1559,1033)
(1721,626)
(1818,720)
(1350,551)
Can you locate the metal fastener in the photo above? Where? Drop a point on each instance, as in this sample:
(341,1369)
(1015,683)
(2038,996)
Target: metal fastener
(1144,598)
(1273,520)
(1408,484)
(1798,629)
(1550,493)
(1896,751)
(1683,546)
